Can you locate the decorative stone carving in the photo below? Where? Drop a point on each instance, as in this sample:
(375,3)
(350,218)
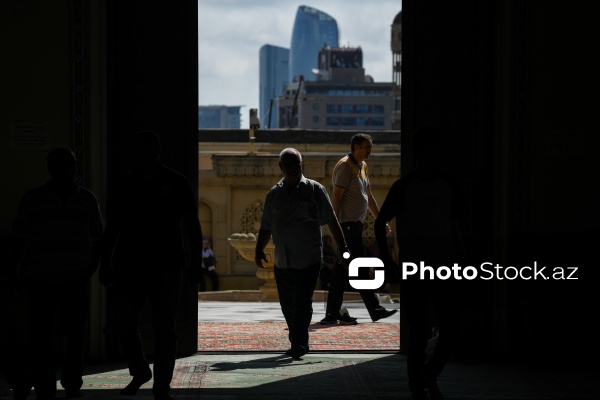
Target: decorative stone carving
(250,221)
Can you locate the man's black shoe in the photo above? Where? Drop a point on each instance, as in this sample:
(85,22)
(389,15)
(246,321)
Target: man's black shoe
(329,320)
(380,313)
(133,386)
(296,352)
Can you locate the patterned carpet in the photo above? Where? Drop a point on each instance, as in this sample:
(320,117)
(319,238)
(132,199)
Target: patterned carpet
(272,336)
(261,376)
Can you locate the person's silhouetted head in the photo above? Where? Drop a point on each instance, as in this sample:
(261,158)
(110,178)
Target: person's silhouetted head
(426,143)
(62,166)
(146,150)
(290,162)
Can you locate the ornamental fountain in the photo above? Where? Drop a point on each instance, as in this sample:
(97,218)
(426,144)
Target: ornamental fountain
(245,244)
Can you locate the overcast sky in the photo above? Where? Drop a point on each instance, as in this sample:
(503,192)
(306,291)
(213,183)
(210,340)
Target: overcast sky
(231,33)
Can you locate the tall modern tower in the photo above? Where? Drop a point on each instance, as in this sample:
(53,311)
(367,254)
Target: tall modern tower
(396,67)
(273,76)
(313,30)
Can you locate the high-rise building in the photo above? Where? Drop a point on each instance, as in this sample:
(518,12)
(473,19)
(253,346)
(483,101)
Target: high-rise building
(313,30)
(273,76)
(396,43)
(226,117)
(342,97)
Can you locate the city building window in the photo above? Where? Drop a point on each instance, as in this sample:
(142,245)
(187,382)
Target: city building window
(355,108)
(355,121)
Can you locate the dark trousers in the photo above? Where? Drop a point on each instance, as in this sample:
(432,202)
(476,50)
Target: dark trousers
(161,290)
(339,275)
(420,299)
(296,288)
(13,367)
(70,303)
(14,359)
(214,280)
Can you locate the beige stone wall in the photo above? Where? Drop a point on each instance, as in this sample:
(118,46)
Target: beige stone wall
(233,185)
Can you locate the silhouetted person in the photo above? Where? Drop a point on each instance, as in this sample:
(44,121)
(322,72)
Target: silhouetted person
(294,211)
(391,270)
(209,266)
(427,205)
(352,198)
(55,246)
(144,257)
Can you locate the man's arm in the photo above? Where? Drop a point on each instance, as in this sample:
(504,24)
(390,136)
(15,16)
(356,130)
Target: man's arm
(374,209)
(336,199)
(338,236)
(19,239)
(264,236)
(96,235)
(388,211)
(96,254)
(106,274)
(16,253)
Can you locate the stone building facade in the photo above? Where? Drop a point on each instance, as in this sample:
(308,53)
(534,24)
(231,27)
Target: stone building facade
(235,175)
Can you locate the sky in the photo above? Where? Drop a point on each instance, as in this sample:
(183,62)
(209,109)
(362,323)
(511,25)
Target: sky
(231,32)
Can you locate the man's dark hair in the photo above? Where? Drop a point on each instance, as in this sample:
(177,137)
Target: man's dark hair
(358,139)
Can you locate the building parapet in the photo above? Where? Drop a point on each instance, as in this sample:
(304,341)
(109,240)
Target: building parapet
(295,136)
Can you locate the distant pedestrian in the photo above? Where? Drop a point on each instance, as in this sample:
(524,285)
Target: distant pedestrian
(209,266)
(55,246)
(294,211)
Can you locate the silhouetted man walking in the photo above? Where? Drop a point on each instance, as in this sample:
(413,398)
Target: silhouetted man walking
(55,244)
(426,204)
(295,209)
(144,257)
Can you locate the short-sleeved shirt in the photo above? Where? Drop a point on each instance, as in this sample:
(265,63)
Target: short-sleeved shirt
(206,253)
(295,218)
(351,176)
(208,257)
(59,234)
(148,217)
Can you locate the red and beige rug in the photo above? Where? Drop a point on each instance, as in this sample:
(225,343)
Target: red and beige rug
(273,336)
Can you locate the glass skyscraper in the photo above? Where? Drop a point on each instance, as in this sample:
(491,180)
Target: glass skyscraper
(274,73)
(313,30)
